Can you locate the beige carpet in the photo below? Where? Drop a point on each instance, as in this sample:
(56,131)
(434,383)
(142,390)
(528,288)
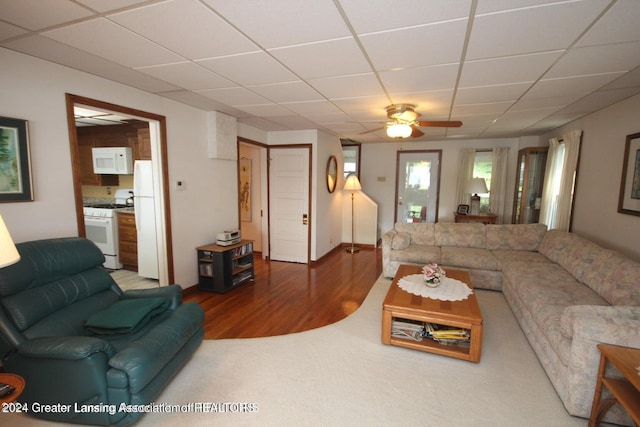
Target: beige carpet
(341,375)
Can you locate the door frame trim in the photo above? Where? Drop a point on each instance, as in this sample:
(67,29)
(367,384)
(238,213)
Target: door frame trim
(71,100)
(395,206)
(309,147)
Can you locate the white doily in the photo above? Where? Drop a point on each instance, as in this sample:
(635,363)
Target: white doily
(449,290)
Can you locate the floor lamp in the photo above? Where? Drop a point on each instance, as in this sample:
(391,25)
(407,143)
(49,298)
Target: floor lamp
(352,185)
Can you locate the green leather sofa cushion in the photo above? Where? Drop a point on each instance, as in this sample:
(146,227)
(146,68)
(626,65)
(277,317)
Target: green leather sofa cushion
(126,316)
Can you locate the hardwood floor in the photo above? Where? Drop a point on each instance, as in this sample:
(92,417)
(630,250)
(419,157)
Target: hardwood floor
(288,297)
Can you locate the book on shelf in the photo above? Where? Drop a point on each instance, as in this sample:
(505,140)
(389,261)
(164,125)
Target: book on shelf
(405,328)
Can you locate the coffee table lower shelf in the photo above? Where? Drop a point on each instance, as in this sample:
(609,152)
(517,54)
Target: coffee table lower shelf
(470,352)
(465,314)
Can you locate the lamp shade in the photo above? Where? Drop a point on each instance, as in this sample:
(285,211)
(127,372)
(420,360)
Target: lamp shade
(477,185)
(399,130)
(8,252)
(352,184)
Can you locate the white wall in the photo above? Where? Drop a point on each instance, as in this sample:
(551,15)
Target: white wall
(34,90)
(601,157)
(378,173)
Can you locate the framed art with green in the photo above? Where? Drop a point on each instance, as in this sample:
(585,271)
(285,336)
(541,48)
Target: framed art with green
(629,201)
(15,165)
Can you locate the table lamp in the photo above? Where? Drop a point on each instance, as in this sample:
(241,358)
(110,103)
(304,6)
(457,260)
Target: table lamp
(475,186)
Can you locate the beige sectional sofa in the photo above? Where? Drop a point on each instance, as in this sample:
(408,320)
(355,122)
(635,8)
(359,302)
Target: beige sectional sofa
(567,293)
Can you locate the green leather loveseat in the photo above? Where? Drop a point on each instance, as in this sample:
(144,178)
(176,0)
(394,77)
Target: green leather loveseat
(92,351)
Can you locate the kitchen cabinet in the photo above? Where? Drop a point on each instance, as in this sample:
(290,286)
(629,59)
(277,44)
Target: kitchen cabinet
(222,268)
(529,181)
(127,240)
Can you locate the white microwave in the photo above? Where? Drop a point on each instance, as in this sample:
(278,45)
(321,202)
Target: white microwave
(112,160)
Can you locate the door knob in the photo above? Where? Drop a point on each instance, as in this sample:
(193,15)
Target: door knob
(305,219)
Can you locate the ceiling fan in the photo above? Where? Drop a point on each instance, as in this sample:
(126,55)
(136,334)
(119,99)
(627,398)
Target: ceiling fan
(404,122)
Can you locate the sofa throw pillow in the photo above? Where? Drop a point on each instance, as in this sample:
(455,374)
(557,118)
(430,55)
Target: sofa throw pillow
(125,316)
(401,241)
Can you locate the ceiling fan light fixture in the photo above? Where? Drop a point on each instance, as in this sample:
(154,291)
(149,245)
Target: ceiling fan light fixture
(399,130)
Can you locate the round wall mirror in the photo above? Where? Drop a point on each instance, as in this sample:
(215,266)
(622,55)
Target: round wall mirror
(332,174)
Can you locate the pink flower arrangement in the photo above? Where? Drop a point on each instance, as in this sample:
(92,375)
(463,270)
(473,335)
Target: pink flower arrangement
(433,274)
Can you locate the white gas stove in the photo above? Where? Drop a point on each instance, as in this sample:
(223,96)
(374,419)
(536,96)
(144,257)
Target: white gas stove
(101,226)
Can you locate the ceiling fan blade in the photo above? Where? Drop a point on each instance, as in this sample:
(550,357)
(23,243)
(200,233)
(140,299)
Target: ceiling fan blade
(441,124)
(372,130)
(416,133)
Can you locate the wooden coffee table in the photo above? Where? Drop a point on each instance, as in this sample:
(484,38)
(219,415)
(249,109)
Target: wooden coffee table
(460,314)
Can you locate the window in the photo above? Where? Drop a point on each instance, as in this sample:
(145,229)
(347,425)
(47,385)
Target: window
(482,166)
(351,154)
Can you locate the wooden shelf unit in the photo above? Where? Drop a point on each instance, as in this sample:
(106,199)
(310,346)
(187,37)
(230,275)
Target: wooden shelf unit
(222,268)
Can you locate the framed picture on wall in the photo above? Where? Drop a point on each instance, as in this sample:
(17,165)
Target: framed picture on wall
(629,200)
(245,189)
(463,209)
(15,165)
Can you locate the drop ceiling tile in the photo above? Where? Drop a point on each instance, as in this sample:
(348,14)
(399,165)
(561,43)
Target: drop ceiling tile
(570,85)
(107,6)
(294,122)
(265,110)
(352,86)
(522,119)
(7,31)
(597,59)
(528,30)
(186,27)
(460,111)
(311,107)
(287,92)
(90,36)
(364,108)
(557,101)
(431,104)
(420,79)
(263,124)
(234,96)
(288,23)
(510,69)
(324,59)
(416,46)
(598,100)
(619,24)
(493,6)
(367,16)
(484,94)
(31,15)
(628,80)
(255,68)
(60,53)
(201,102)
(187,75)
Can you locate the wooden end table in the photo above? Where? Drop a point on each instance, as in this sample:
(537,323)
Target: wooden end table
(625,391)
(460,314)
(15,380)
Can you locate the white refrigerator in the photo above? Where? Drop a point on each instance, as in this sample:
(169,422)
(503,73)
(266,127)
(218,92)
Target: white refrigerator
(144,206)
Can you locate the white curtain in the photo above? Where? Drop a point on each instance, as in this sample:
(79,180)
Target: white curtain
(557,194)
(567,179)
(498,188)
(466,162)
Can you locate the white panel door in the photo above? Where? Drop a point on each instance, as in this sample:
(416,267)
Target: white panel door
(289,204)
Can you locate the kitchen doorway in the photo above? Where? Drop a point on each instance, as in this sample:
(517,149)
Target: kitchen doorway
(158,146)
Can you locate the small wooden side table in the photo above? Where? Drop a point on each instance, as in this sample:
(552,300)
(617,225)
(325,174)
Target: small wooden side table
(15,380)
(626,391)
